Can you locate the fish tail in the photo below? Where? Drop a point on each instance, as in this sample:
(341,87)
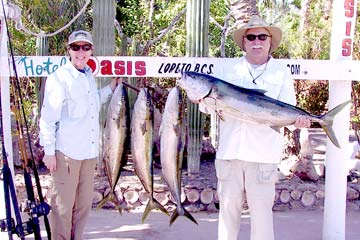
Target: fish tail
(183,212)
(111,196)
(328,120)
(103,201)
(153,204)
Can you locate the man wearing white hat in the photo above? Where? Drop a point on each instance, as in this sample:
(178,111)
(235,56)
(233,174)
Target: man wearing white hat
(69,132)
(248,153)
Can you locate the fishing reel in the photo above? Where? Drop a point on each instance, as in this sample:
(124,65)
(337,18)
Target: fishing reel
(14,228)
(35,211)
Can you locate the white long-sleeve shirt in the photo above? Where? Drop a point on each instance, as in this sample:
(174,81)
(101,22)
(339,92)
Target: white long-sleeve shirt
(251,141)
(69,119)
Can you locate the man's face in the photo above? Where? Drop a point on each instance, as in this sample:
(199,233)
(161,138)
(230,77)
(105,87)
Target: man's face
(257,48)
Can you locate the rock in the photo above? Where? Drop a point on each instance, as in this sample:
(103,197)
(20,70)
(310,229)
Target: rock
(97,197)
(296,194)
(304,139)
(131,196)
(304,169)
(352,194)
(307,186)
(143,197)
(280,176)
(296,205)
(285,196)
(287,164)
(192,208)
(207,196)
(162,197)
(211,208)
(192,195)
(308,198)
(320,194)
(280,207)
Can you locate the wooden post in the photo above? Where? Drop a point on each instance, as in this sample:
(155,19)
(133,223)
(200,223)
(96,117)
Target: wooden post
(197,45)
(104,43)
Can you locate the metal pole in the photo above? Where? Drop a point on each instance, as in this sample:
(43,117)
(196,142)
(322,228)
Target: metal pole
(343,27)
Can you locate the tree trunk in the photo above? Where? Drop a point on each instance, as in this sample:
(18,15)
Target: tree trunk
(242,10)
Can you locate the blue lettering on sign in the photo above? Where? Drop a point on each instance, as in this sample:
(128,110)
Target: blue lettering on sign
(294,69)
(181,67)
(48,66)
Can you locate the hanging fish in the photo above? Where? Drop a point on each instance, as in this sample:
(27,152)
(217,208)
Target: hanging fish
(172,143)
(142,131)
(116,140)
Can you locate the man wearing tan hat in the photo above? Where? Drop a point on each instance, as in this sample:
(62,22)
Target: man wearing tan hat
(248,153)
(69,132)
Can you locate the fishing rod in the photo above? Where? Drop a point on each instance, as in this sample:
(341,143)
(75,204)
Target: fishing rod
(8,224)
(35,210)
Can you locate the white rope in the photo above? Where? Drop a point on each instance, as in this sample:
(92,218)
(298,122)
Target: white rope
(20,26)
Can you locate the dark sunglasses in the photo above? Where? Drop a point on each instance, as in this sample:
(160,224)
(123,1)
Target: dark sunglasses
(252,37)
(86,47)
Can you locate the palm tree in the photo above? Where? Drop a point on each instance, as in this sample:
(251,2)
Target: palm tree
(242,10)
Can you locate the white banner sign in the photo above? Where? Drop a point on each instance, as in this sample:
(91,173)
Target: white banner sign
(163,67)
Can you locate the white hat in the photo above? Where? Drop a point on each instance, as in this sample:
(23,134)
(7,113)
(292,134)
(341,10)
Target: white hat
(80,36)
(257,22)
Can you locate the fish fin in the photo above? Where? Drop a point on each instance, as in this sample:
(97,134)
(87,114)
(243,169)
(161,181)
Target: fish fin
(103,201)
(219,114)
(275,128)
(260,91)
(328,120)
(153,204)
(143,128)
(183,212)
(189,216)
(111,196)
(173,217)
(176,129)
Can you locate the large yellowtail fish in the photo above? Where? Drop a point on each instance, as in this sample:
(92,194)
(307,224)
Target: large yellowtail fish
(172,142)
(116,142)
(251,105)
(142,130)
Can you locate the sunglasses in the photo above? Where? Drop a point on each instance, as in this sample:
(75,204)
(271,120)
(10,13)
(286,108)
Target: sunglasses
(252,37)
(86,47)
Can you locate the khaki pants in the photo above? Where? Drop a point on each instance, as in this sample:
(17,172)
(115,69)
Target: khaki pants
(236,177)
(71,198)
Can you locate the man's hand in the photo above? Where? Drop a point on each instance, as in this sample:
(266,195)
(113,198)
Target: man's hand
(114,82)
(302,122)
(50,162)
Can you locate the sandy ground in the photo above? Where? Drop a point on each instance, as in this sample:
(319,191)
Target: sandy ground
(294,225)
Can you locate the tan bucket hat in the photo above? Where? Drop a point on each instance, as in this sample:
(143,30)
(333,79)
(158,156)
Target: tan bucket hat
(256,22)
